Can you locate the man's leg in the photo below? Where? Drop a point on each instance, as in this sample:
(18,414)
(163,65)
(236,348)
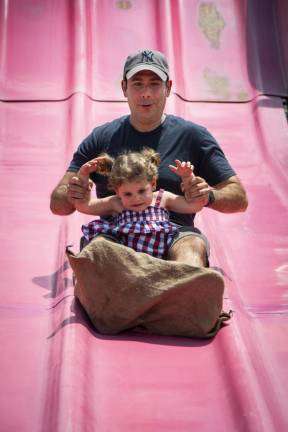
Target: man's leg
(190,250)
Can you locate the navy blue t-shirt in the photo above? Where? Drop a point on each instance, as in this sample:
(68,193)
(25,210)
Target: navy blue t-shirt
(175,138)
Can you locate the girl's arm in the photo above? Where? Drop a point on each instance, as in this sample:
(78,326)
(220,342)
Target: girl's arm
(179,204)
(100,206)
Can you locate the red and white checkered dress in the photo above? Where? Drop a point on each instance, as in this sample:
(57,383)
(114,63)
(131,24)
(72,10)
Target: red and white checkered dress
(146,231)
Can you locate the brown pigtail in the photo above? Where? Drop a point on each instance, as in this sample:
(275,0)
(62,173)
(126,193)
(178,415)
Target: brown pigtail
(104,166)
(151,156)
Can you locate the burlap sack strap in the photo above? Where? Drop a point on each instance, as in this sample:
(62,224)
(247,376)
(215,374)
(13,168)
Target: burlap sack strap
(121,289)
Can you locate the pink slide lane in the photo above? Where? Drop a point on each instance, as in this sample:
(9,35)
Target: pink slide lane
(60,72)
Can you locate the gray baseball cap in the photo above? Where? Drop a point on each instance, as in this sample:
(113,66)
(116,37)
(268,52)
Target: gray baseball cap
(154,61)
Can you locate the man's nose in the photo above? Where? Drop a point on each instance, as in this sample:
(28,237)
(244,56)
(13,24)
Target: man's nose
(146,90)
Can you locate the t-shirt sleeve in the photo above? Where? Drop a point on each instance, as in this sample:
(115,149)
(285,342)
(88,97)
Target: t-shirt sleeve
(213,164)
(87,150)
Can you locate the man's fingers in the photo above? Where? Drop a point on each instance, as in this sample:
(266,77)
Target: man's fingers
(75,181)
(90,185)
(197,193)
(76,192)
(195,189)
(77,189)
(79,182)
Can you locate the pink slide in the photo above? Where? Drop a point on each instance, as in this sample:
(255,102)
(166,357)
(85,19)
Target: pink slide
(60,72)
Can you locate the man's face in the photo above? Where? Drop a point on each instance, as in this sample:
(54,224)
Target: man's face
(136,195)
(146,94)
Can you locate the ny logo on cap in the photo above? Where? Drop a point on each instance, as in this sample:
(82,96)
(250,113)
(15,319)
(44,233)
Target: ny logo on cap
(147,56)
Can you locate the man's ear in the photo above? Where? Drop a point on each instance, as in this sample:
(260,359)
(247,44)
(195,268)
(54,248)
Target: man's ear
(124,87)
(168,87)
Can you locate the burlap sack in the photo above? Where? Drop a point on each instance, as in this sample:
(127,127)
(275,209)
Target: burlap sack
(121,289)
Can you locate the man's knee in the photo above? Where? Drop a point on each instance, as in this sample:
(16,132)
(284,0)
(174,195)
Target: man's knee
(191,250)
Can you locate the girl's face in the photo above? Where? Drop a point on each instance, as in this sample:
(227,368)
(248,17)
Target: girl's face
(136,195)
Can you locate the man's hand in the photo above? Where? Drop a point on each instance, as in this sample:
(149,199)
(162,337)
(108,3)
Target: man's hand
(195,188)
(69,188)
(79,189)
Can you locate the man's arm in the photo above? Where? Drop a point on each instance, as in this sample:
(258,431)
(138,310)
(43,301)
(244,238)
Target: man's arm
(230,196)
(69,187)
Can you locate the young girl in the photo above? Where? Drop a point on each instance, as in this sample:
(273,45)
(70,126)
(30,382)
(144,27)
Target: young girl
(141,217)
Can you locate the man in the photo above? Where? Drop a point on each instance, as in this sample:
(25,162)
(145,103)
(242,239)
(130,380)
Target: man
(146,85)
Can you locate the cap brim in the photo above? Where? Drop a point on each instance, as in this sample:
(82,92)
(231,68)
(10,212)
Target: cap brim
(151,68)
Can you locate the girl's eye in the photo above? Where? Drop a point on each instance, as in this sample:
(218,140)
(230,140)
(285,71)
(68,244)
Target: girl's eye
(142,191)
(127,194)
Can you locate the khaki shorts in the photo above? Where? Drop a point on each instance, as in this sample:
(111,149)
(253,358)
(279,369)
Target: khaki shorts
(185,231)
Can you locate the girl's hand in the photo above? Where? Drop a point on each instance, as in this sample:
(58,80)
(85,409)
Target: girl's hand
(101,164)
(182,169)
